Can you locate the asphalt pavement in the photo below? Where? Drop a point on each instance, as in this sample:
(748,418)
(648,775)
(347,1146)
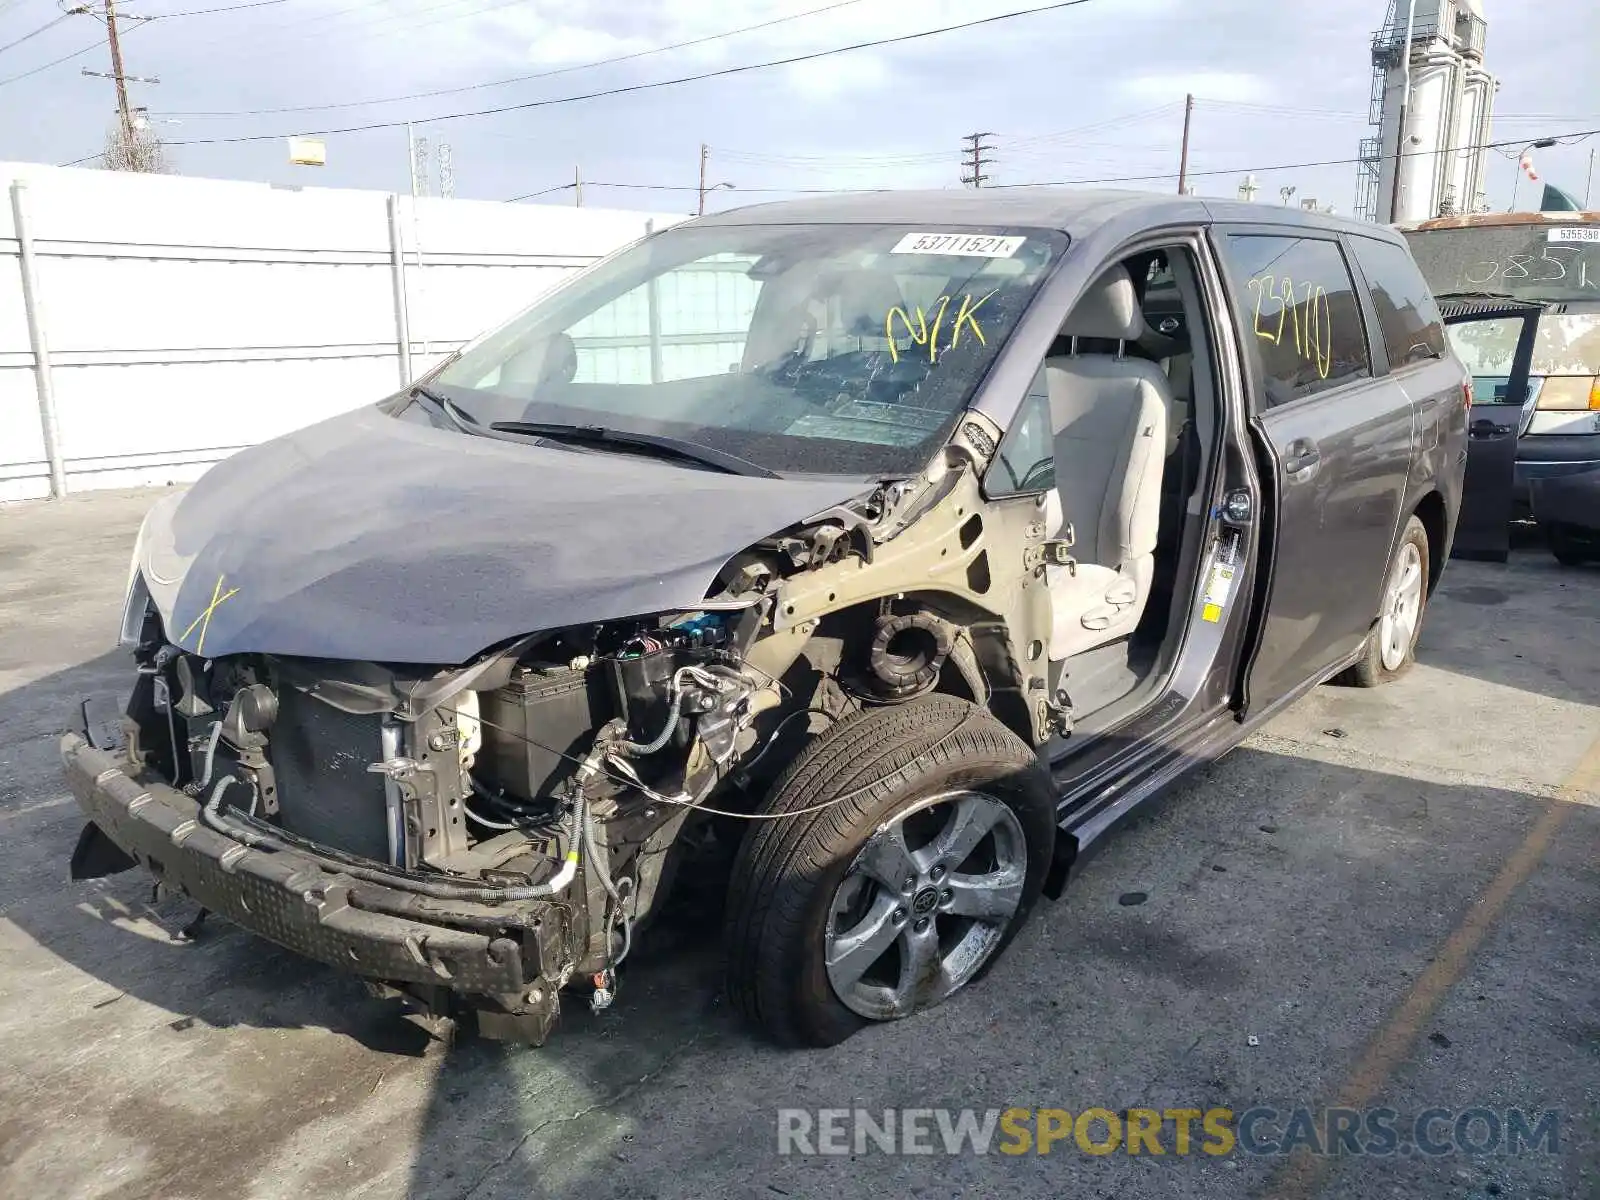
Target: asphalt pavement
(1387,899)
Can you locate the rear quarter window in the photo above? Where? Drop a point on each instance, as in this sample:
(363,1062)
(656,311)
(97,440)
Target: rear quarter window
(1408,316)
(1301,321)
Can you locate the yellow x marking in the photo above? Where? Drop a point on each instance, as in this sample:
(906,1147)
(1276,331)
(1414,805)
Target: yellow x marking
(204,619)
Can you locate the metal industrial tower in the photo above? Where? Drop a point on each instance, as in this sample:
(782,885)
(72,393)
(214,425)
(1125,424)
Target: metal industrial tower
(1433,104)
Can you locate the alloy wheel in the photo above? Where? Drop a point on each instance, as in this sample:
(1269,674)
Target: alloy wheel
(924,904)
(1402,608)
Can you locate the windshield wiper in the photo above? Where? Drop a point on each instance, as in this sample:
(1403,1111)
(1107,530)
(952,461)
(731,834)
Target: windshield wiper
(458,416)
(673,447)
(1507,297)
(463,421)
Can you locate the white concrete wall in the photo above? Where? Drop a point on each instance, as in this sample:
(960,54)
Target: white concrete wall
(185,319)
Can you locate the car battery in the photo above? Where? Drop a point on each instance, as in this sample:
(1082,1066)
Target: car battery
(539,725)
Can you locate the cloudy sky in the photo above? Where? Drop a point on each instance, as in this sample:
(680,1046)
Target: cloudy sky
(1090,92)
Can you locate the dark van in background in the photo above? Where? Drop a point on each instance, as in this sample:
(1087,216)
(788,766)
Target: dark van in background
(1531,283)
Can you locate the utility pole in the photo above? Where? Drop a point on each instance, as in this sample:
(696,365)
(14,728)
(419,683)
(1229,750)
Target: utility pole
(1183,162)
(705,157)
(577,187)
(123,111)
(976,152)
(131,148)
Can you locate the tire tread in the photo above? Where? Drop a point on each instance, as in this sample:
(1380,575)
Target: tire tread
(775,871)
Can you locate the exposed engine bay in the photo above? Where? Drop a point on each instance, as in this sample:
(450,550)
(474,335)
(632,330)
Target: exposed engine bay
(547,791)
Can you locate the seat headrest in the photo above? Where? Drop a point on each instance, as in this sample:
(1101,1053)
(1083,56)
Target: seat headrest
(865,300)
(1109,309)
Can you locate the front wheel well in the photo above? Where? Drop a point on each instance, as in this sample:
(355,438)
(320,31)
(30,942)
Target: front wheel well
(1430,511)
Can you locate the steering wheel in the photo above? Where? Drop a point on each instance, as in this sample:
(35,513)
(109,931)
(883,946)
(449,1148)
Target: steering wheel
(859,375)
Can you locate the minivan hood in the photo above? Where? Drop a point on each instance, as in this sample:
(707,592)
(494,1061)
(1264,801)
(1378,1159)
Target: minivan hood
(367,537)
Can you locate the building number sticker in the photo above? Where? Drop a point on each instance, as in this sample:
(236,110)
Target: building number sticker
(964,245)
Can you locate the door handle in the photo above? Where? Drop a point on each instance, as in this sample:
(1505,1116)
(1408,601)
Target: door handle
(1484,428)
(1302,456)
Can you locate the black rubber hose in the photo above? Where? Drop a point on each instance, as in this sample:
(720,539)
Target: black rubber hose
(639,749)
(213,816)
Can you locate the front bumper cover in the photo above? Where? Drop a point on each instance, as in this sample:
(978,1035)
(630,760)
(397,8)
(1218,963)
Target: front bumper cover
(291,897)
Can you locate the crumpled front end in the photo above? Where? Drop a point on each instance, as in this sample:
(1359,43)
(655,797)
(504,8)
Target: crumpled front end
(493,830)
(481,835)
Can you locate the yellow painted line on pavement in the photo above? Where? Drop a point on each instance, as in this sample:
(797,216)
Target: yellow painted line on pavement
(1388,1049)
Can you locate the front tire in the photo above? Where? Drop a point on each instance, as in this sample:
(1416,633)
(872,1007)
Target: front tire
(935,830)
(1569,550)
(1391,646)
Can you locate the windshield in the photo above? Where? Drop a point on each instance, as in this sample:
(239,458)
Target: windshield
(1545,262)
(822,349)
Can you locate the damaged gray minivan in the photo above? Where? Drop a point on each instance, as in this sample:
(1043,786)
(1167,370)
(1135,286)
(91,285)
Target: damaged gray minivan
(879,553)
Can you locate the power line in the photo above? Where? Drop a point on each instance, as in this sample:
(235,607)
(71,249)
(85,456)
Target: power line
(55,62)
(719,73)
(837,164)
(1339,162)
(473,87)
(1278,110)
(549,191)
(93,46)
(276,32)
(28,37)
(201,12)
(1106,126)
(841,163)
(367,21)
(1298,166)
(689,187)
(371,16)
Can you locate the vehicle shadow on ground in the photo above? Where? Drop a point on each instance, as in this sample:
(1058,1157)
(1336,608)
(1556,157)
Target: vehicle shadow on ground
(1513,624)
(117,929)
(668,1095)
(668,1087)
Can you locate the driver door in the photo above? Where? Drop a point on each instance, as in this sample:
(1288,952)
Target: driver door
(1495,341)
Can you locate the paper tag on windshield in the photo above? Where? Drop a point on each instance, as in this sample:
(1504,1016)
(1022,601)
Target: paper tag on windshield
(1585,234)
(966,245)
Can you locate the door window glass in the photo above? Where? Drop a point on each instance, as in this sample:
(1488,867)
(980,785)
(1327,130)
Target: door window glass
(1300,315)
(1488,349)
(1408,315)
(1026,460)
